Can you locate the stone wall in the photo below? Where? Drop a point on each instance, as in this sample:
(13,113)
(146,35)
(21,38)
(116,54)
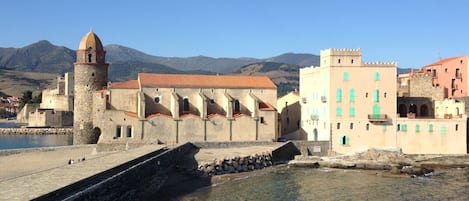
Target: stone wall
(422,86)
(312,148)
(36,131)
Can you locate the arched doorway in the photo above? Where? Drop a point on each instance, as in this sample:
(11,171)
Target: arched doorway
(402,110)
(96,134)
(424,110)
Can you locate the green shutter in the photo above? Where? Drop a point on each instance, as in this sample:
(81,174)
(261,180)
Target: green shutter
(339,95)
(352,95)
(376,111)
(340,140)
(430,127)
(376,95)
(338,111)
(443,131)
(404,127)
(376,76)
(385,127)
(345,76)
(352,111)
(346,140)
(417,128)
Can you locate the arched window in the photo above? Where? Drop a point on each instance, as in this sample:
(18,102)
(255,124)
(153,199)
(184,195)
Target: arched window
(413,109)
(185,105)
(376,76)
(89,57)
(236,106)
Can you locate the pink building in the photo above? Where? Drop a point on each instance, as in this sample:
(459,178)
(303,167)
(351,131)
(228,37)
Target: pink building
(451,74)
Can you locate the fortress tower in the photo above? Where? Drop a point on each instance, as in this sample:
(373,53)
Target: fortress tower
(90,75)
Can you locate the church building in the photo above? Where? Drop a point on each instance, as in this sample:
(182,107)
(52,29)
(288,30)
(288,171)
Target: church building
(168,108)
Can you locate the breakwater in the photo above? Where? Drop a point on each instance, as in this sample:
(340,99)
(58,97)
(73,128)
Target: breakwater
(36,131)
(236,164)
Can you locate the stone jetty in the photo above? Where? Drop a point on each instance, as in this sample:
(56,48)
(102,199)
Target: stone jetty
(36,131)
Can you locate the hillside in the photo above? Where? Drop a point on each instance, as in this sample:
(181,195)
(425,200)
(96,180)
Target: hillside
(14,83)
(285,76)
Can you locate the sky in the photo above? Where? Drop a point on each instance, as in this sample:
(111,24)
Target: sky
(412,33)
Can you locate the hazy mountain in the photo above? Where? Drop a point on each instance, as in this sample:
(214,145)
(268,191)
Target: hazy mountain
(297,59)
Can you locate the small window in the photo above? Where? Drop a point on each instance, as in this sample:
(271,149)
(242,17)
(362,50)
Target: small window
(338,125)
(157,99)
(352,95)
(404,127)
(456,127)
(129,131)
(118,131)
(430,127)
(443,131)
(446,70)
(263,121)
(212,101)
(346,76)
(237,107)
(398,128)
(351,126)
(344,140)
(376,95)
(92,74)
(417,128)
(385,94)
(338,111)
(367,127)
(339,95)
(185,105)
(376,77)
(338,61)
(366,95)
(351,61)
(352,111)
(89,58)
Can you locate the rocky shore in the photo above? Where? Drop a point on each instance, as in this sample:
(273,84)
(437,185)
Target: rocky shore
(36,131)
(390,161)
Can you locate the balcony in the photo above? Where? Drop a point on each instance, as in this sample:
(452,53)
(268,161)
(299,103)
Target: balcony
(378,118)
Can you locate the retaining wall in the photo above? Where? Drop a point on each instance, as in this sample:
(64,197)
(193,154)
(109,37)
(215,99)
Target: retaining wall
(312,148)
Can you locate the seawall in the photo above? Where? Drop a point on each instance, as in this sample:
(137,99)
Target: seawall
(36,131)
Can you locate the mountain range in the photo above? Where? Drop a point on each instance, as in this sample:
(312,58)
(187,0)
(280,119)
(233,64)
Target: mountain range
(126,62)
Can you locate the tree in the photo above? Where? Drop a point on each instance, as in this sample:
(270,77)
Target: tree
(26,98)
(37,99)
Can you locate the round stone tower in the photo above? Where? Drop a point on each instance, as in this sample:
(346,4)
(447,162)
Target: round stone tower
(90,75)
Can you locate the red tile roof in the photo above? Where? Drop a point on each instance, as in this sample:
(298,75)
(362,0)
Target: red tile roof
(205,81)
(129,84)
(442,61)
(266,106)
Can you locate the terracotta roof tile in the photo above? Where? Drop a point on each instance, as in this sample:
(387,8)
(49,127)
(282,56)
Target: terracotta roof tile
(131,114)
(441,62)
(129,84)
(205,81)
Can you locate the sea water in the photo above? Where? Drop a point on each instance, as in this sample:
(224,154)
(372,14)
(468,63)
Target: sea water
(31,141)
(335,184)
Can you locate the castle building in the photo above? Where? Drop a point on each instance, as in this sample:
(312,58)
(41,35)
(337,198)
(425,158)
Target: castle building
(90,71)
(168,108)
(349,102)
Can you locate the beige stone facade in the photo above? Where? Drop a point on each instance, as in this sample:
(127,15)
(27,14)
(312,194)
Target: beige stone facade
(171,112)
(289,110)
(353,104)
(56,108)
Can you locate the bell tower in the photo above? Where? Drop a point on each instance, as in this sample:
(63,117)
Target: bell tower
(90,75)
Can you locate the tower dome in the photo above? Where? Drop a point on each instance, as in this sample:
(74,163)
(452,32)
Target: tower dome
(91,41)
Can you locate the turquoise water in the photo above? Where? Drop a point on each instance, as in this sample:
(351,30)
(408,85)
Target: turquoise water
(333,184)
(31,141)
